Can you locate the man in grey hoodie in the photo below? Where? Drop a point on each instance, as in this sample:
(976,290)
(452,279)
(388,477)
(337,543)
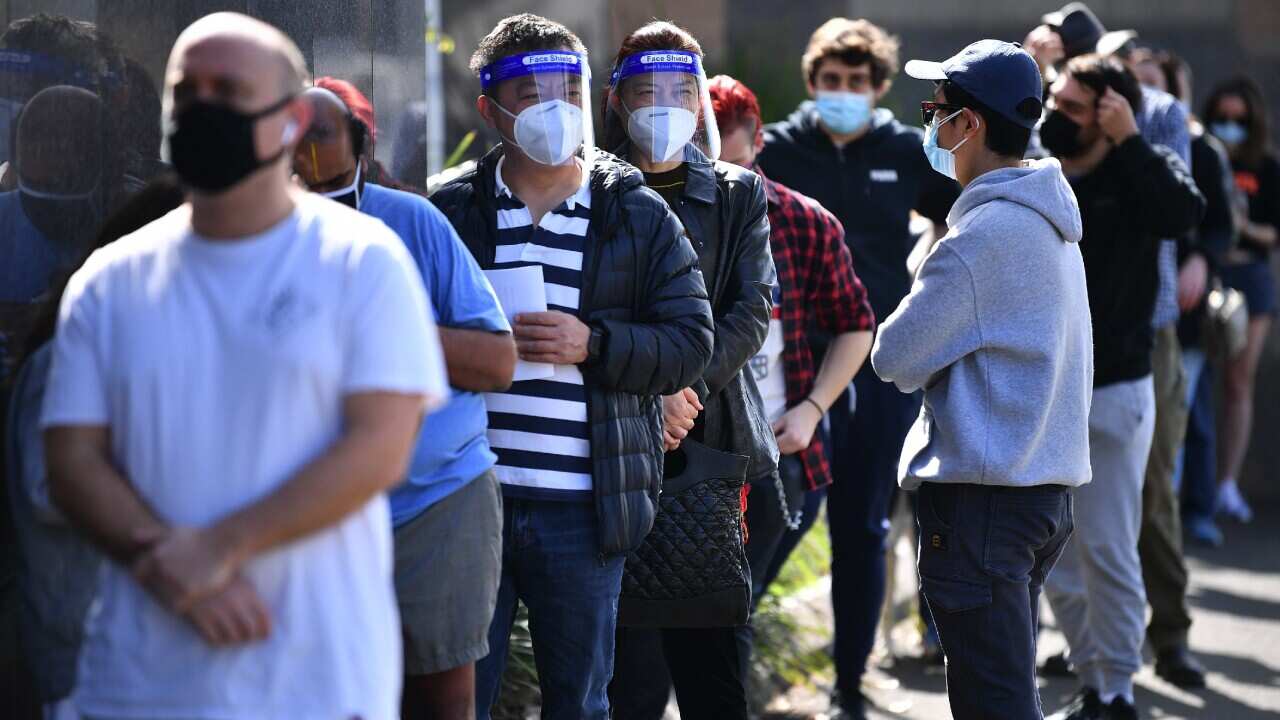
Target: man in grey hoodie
(997,331)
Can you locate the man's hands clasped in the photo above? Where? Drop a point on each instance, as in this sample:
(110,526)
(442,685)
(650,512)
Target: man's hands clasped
(194,574)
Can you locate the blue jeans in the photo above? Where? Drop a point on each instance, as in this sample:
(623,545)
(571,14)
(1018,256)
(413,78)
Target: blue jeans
(864,451)
(984,555)
(1199,477)
(551,562)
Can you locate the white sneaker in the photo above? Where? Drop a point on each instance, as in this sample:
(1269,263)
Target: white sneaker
(1232,504)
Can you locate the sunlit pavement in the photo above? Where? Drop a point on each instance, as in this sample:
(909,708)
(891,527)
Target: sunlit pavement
(1235,594)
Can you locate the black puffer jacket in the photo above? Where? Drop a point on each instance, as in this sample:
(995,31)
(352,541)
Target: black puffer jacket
(724,211)
(641,286)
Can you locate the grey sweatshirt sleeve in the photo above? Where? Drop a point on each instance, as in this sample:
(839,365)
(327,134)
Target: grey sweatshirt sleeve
(936,324)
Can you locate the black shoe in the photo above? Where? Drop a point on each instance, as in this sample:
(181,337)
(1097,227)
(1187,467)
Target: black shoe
(1120,709)
(845,706)
(1057,666)
(1086,705)
(1178,667)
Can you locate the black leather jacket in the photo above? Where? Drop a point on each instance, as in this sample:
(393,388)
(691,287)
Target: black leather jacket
(724,211)
(642,288)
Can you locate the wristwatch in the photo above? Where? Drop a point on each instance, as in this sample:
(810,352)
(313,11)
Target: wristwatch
(595,344)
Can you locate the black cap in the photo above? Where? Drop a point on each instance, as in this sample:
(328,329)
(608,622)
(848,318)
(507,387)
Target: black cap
(1078,27)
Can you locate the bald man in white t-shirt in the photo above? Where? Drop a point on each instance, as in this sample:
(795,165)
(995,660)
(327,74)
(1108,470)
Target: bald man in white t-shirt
(233,388)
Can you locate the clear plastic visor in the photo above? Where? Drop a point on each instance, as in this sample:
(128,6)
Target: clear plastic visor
(661,98)
(544,104)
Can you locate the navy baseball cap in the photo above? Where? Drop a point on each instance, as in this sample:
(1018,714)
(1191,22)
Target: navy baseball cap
(997,74)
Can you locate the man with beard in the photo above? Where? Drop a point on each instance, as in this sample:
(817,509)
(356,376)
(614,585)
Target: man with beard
(1131,194)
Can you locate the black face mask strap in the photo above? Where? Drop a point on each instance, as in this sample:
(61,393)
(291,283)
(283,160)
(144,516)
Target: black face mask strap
(274,107)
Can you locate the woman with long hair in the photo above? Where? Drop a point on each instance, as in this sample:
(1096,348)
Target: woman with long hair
(658,116)
(1237,115)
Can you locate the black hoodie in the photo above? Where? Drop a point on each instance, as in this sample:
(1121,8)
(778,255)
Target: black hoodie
(871,185)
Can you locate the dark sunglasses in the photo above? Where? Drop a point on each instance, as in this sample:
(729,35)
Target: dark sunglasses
(928,108)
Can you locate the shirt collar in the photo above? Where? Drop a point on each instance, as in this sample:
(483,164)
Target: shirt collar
(770,187)
(582,196)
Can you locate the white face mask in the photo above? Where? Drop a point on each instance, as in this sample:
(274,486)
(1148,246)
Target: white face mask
(662,132)
(349,194)
(549,132)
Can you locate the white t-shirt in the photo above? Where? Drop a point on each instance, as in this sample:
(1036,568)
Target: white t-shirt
(220,368)
(770,375)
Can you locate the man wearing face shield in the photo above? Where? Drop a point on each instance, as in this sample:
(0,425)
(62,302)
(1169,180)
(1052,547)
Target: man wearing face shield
(47,222)
(579,447)
(658,115)
(1131,193)
(448,512)
(44,50)
(233,388)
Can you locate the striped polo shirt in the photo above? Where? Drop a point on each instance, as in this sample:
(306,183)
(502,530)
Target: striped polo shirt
(538,428)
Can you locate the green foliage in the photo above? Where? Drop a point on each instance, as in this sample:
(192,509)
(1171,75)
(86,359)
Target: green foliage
(785,653)
(520,680)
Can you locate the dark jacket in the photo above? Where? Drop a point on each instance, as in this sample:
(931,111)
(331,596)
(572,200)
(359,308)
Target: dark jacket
(871,185)
(1216,232)
(724,212)
(1261,185)
(642,289)
(1137,195)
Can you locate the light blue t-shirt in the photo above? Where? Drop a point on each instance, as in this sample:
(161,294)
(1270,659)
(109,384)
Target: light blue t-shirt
(452,449)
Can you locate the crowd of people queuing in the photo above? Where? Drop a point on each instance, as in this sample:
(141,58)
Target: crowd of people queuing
(285,438)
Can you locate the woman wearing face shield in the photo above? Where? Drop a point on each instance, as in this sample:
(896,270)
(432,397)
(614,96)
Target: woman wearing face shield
(658,116)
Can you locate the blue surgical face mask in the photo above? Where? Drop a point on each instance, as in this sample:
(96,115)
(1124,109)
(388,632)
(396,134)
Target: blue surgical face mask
(941,159)
(843,112)
(1230,132)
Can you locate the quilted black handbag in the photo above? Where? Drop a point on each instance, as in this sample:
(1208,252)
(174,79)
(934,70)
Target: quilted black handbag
(691,570)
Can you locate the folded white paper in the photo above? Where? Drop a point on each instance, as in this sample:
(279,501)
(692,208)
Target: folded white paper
(521,290)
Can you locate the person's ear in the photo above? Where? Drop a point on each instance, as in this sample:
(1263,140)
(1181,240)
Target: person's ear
(486,111)
(883,89)
(973,120)
(301,113)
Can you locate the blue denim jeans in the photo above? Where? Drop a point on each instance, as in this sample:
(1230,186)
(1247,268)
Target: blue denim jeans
(551,562)
(984,554)
(865,448)
(1199,468)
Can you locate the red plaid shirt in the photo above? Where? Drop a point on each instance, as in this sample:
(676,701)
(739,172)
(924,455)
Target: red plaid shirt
(819,288)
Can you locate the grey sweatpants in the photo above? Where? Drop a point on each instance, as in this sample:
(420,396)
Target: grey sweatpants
(1096,589)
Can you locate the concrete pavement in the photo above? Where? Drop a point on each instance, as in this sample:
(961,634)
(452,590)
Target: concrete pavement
(1235,594)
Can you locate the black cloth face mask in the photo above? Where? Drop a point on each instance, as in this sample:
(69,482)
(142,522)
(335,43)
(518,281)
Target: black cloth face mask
(211,145)
(70,222)
(1060,135)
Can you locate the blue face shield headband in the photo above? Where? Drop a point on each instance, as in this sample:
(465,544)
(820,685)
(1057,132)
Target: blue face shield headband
(43,71)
